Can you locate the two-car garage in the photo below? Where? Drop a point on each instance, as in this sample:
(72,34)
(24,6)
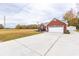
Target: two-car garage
(56,26)
(56,29)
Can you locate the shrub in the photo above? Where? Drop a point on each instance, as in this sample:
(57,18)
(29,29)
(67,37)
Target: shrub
(66,32)
(77,26)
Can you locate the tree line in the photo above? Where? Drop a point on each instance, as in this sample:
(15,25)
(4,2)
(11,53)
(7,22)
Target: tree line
(32,26)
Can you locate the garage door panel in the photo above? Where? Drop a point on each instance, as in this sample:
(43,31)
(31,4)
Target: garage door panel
(55,29)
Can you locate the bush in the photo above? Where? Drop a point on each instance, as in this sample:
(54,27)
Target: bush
(77,26)
(66,32)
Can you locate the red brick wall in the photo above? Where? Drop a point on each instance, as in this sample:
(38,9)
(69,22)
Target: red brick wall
(56,22)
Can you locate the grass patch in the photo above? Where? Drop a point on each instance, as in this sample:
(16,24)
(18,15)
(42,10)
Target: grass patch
(10,34)
(77,30)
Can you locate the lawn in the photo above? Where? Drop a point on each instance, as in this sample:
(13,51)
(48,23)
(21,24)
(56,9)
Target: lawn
(10,34)
(77,30)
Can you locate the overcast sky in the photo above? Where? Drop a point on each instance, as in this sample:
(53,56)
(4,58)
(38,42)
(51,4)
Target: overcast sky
(30,13)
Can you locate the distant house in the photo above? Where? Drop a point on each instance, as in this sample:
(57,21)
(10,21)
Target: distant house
(54,26)
(42,27)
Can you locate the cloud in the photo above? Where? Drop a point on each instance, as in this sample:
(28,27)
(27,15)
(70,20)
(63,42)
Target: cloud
(10,8)
(32,12)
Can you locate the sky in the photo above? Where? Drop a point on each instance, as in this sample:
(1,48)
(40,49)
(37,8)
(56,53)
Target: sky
(32,13)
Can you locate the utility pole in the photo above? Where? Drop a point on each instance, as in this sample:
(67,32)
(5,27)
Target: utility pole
(4,21)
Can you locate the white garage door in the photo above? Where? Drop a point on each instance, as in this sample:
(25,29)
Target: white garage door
(56,29)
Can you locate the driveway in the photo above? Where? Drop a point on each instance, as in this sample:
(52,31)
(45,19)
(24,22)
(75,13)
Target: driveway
(45,44)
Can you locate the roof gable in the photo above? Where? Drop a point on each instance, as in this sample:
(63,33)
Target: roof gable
(56,22)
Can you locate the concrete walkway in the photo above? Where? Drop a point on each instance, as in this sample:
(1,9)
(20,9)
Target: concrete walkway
(45,44)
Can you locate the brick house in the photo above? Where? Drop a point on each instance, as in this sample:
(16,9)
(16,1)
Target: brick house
(54,26)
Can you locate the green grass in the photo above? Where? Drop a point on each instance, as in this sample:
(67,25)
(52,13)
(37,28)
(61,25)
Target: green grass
(10,34)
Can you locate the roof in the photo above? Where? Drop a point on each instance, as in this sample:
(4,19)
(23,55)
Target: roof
(56,22)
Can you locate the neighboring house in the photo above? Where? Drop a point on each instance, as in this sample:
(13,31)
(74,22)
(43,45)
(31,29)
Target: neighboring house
(42,27)
(55,26)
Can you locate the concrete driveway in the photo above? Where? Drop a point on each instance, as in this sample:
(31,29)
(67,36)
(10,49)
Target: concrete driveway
(45,44)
